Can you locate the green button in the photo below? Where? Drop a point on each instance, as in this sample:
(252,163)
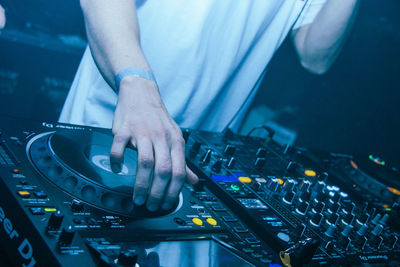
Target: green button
(235,187)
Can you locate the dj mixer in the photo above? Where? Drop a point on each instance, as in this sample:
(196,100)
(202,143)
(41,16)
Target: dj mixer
(256,204)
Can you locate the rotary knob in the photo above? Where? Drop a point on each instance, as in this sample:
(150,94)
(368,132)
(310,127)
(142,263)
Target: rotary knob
(304,186)
(332,219)
(330,232)
(318,207)
(316,219)
(288,197)
(305,196)
(289,185)
(363,219)
(348,219)
(302,208)
(273,184)
(334,208)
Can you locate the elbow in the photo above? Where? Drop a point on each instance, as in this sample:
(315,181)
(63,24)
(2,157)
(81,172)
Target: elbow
(315,67)
(85,4)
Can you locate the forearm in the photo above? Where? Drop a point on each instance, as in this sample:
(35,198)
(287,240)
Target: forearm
(113,35)
(319,43)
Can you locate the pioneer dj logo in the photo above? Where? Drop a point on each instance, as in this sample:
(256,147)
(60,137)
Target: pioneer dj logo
(24,247)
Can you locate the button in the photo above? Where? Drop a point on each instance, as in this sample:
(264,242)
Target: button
(265,260)
(15,171)
(24,194)
(229,219)
(235,187)
(240,229)
(252,240)
(78,221)
(212,221)
(244,179)
(247,250)
(36,211)
(256,255)
(218,208)
(23,182)
(40,194)
(310,173)
(197,221)
(91,221)
(50,209)
(283,237)
(179,221)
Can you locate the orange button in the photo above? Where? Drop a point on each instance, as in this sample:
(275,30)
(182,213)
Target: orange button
(212,221)
(24,194)
(280,181)
(197,221)
(245,179)
(394,191)
(310,173)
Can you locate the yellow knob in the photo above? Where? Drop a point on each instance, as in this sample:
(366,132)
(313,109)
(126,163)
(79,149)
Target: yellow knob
(197,221)
(212,221)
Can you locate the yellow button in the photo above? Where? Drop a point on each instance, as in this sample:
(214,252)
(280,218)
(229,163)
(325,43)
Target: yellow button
(245,179)
(212,221)
(197,221)
(310,173)
(50,209)
(24,194)
(280,181)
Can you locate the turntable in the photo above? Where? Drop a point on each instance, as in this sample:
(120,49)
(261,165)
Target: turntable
(65,206)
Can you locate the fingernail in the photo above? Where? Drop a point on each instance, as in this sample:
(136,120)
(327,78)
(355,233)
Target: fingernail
(139,200)
(152,206)
(166,206)
(116,167)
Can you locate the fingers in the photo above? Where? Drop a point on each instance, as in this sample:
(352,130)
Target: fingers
(162,173)
(144,169)
(117,151)
(2,17)
(191,177)
(178,173)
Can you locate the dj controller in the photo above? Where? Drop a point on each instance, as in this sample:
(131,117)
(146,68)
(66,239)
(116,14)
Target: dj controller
(256,204)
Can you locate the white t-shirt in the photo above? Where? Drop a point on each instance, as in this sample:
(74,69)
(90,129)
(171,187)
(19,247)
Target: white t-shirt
(208,57)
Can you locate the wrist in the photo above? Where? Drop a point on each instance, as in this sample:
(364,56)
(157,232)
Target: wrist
(133,72)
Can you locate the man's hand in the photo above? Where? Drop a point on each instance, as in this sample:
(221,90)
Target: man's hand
(2,17)
(142,120)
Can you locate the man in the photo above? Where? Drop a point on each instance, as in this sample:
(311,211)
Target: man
(208,58)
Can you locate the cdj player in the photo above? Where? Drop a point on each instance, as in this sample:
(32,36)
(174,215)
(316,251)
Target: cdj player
(257,204)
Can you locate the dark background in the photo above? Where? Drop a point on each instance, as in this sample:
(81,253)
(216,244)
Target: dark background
(354,108)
